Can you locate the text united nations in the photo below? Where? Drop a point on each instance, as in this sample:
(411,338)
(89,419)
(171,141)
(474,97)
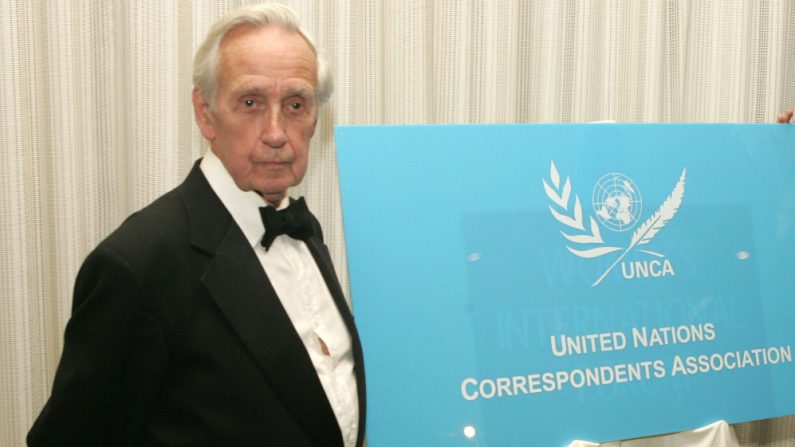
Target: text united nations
(681,365)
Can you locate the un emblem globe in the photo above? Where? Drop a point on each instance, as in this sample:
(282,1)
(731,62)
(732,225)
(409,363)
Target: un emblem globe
(617,202)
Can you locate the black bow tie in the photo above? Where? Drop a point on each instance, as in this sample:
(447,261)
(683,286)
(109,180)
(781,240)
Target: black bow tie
(294,221)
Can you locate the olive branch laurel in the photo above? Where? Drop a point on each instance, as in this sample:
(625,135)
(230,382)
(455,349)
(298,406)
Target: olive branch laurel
(573,218)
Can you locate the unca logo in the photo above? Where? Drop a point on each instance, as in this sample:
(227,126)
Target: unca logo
(618,205)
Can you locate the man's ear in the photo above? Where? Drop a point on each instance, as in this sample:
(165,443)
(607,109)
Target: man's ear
(314,126)
(201,112)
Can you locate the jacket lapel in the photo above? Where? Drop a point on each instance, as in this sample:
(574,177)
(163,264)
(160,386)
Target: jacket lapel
(323,259)
(237,283)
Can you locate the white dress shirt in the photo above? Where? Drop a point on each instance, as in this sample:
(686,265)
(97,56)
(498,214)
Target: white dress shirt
(303,293)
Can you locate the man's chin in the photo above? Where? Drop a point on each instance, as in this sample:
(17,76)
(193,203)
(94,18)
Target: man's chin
(273,194)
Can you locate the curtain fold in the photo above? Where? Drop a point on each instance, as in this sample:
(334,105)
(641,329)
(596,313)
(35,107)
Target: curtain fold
(96,118)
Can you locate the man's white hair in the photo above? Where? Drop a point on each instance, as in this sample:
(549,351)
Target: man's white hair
(205,63)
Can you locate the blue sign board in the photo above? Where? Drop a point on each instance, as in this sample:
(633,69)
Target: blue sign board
(536,284)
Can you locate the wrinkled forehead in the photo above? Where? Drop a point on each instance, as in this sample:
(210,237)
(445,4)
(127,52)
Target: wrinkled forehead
(246,28)
(250,54)
(271,45)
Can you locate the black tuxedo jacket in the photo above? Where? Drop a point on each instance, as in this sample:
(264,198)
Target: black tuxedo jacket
(178,338)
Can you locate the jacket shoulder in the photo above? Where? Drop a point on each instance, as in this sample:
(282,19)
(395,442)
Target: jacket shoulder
(166,228)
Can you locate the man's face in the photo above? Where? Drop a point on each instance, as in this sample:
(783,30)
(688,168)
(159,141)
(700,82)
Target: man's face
(265,109)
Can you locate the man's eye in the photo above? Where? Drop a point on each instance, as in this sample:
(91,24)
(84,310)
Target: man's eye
(249,103)
(296,106)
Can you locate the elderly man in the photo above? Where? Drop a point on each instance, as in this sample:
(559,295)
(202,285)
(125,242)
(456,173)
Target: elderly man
(209,317)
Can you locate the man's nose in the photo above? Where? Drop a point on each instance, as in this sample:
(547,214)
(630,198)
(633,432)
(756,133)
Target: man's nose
(273,133)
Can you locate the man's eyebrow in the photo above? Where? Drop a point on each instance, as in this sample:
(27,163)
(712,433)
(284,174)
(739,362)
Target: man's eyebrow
(287,91)
(247,90)
(300,90)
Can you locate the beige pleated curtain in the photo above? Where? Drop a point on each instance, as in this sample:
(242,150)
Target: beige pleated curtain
(96,121)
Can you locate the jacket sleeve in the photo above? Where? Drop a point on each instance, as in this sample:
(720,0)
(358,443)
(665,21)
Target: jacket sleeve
(114,358)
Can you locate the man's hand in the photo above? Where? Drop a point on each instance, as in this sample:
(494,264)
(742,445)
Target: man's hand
(785,117)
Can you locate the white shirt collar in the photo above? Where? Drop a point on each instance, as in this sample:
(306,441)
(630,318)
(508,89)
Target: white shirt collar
(242,205)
